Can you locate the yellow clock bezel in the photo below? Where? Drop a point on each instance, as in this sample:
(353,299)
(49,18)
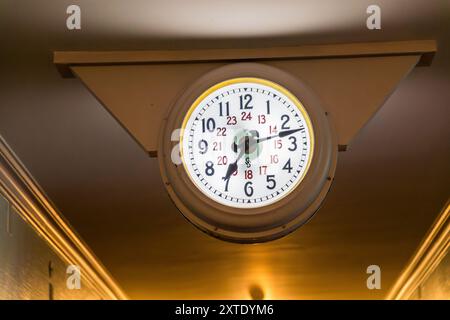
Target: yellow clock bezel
(261,81)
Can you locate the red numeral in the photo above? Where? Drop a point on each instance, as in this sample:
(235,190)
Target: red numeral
(248,174)
(222,132)
(262,170)
(222,160)
(231,120)
(261,119)
(246,116)
(273,129)
(217,146)
(274,158)
(278,144)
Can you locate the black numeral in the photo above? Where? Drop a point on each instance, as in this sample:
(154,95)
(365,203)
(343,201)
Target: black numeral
(209,170)
(293,146)
(245,101)
(248,189)
(208,124)
(203,146)
(226,184)
(288,166)
(226,107)
(271,181)
(285,119)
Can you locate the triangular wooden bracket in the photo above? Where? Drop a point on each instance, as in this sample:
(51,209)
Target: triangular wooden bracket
(352,80)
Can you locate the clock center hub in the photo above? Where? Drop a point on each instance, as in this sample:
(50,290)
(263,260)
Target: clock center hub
(246,142)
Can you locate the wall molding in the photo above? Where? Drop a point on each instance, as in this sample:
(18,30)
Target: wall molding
(28,199)
(429,254)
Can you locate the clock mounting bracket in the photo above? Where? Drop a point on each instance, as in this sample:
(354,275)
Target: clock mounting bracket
(352,80)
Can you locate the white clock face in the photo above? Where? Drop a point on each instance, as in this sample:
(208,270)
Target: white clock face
(246,142)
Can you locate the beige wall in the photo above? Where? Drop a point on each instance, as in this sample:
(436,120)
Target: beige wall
(26,260)
(437,285)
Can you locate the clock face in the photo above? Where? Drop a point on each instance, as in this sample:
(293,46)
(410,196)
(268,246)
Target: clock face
(246,142)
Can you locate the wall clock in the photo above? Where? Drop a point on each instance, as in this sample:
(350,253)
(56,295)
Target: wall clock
(246,142)
(256,151)
(247,153)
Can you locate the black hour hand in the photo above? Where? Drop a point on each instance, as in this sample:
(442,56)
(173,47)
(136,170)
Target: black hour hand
(231,169)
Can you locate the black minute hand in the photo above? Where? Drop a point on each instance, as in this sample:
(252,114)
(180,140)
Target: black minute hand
(281,134)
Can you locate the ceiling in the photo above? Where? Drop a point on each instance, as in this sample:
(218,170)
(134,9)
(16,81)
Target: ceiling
(389,186)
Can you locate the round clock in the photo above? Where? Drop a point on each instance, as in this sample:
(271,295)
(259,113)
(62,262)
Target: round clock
(247,153)
(246,142)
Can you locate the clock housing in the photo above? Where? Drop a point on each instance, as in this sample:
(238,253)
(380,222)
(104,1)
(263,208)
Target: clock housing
(257,220)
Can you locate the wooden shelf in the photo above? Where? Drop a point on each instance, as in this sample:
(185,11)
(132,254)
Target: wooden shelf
(425,48)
